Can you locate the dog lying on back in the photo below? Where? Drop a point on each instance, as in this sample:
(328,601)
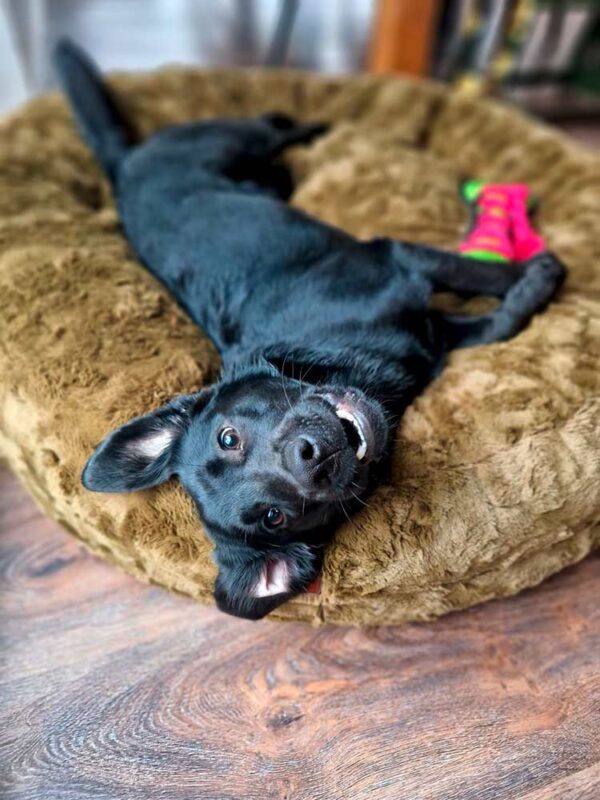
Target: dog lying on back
(324,339)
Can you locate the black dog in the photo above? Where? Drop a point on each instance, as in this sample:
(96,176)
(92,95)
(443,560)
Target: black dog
(325,339)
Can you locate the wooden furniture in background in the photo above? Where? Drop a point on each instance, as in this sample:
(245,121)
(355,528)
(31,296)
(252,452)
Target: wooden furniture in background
(403,35)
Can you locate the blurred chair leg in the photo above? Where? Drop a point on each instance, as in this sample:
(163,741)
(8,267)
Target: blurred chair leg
(280,43)
(403,36)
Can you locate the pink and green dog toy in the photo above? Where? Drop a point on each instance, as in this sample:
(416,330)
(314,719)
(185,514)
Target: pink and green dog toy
(501,229)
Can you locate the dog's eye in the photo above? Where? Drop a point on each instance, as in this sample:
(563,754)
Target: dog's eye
(229,439)
(274,517)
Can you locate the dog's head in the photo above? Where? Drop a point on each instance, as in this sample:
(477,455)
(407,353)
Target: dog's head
(271,463)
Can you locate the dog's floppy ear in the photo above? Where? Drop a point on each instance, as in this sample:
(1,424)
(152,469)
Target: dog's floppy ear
(254,581)
(140,454)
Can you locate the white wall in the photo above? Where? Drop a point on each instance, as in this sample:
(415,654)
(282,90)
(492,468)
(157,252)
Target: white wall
(13,86)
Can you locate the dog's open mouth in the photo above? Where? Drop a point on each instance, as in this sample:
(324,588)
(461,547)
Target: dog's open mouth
(353,415)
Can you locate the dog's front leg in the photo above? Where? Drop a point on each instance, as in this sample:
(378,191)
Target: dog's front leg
(540,279)
(452,272)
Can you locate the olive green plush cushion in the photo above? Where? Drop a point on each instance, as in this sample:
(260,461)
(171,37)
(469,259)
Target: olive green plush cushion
(495,480)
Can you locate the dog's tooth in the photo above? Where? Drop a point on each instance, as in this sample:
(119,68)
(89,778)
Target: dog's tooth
(362,450)
(343,413)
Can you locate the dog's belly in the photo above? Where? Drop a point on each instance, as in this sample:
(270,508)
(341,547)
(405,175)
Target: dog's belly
(215,248)
(251,271)
(206,233)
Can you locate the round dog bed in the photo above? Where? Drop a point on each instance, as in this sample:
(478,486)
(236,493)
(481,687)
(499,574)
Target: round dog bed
(495,480)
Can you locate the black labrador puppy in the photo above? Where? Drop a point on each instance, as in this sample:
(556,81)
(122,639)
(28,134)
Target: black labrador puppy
(324,339)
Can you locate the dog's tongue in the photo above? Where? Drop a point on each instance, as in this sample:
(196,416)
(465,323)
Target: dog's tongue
(315,586)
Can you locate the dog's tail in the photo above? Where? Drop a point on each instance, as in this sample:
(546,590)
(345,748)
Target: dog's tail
(101,123)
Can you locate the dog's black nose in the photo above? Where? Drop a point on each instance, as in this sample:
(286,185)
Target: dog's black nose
(311,461)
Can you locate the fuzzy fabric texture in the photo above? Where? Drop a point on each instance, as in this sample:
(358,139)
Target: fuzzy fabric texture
(495,479)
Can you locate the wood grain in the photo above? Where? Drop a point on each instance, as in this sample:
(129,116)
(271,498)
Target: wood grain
(113,690)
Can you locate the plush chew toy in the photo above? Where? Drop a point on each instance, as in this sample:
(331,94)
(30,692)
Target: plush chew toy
(501,229)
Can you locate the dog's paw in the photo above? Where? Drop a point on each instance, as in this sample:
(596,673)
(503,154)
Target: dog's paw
(548,268)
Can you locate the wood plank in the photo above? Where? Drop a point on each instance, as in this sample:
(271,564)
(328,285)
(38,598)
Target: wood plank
(110,689)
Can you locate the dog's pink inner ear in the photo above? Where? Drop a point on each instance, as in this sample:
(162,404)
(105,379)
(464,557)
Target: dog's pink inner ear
(153,444)
(274,579)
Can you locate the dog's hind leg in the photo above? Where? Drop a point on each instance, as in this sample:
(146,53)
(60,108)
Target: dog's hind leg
(540,278)
(260,166)
(304,133)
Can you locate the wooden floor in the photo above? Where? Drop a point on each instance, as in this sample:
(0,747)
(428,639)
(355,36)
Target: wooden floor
(112,690)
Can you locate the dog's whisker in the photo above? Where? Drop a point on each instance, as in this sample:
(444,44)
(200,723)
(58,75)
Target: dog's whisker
(283,380)
(302,381)
(359,499)
(345,511)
